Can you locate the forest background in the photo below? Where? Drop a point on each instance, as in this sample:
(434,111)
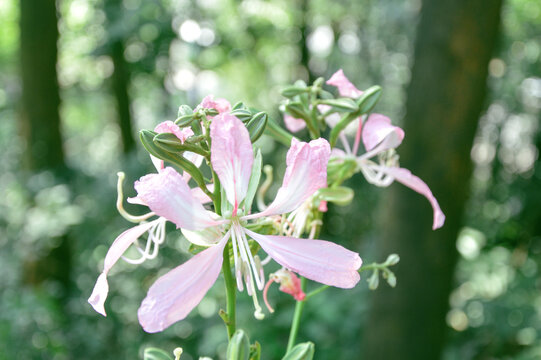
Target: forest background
(79,78)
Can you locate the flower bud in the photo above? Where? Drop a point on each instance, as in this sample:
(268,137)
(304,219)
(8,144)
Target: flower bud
(155,354)
(184,110)
(304,351)
(239,346)
(392,259)
(373,281)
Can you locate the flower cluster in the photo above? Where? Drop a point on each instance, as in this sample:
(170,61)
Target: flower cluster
(216,214)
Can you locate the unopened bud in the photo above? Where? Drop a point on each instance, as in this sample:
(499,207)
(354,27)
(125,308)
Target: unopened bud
(304,351)
(392,259)
(239,346)
(391,278)
(373,281)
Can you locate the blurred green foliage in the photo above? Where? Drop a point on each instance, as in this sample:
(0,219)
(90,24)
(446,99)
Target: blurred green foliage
(179,51)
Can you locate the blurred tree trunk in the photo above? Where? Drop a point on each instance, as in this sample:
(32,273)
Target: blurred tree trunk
(305,30)
(455,40)
(40,123)
(121,76)
(40,119)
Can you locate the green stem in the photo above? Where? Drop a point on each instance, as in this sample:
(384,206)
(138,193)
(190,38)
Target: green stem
(296,319)
(231,322)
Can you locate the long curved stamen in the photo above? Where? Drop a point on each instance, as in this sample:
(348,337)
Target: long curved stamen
(244,251)
(156,237)
(238,269)
(265,294)
(258,313)
(259,279)
(120,207)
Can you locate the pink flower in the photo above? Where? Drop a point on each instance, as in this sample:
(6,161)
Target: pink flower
(174,295)
(171,127)
(221,105)
(293,124)
(345,87)
(380,138)
(154,228)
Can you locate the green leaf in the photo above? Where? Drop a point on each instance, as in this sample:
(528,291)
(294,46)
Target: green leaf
(175,159)
(169,142)
(342,104)
(239,105)
(242,114)
(156,354)
(292,91)
(239,346)
(257,125)
(296,109)
(366,103)
(369,99)
(325,94)
(254,182)
(184,120)
(303,351)
(339,195)
(184,110)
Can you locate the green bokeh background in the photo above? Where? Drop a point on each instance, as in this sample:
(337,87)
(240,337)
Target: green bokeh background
(178,51)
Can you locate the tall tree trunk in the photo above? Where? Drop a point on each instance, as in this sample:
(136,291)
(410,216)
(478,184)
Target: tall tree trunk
(40,119)
(304,29)
(121,76)
(454,44)
(40,123)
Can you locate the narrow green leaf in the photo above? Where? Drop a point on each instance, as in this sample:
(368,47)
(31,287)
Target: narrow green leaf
(242,114)
(342,104)
(254,182)
(292,91)
(156,354)
(296,109)
(256,126)
(175,159)
(239,105)
(369,99)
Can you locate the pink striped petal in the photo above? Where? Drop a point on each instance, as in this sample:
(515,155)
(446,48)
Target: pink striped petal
(231,156)
(200,194)
(378,128)
(168,195)
(293,124)
(306,172)
(405,177)
(345,87)
(175,294)
(317,260)
(119,246)
(171,127)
